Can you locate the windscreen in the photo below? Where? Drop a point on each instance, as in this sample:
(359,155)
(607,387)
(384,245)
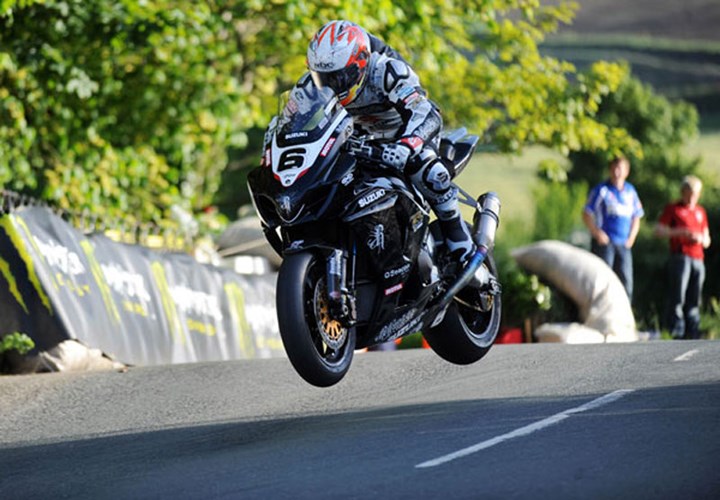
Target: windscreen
(306,114)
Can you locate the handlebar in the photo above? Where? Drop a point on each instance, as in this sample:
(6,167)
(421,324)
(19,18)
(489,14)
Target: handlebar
(363,147)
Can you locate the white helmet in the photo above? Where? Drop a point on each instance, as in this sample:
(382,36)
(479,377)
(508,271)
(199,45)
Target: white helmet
(338,56)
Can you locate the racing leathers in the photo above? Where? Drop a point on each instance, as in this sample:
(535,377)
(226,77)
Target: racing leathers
(392,106)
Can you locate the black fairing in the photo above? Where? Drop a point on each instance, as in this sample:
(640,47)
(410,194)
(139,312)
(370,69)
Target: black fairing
(334,215)
(333,200)
(308,199)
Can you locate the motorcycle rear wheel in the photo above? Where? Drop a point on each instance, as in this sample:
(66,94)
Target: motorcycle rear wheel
(319,348)
(466,334)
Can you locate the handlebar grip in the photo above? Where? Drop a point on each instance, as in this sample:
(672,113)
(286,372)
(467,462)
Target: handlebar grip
(367,151)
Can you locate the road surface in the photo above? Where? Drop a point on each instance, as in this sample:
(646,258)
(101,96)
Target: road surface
(533,421)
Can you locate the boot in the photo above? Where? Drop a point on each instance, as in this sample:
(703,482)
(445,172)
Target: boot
(456,234)
(434,181)
(461,248)
(457,239)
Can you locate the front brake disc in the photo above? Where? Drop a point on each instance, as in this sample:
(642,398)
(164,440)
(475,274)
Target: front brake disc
(332,331)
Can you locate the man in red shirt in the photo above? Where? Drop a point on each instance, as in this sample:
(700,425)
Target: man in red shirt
(685,223)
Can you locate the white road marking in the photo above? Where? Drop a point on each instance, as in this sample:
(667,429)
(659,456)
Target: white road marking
(687,355)
(528,429)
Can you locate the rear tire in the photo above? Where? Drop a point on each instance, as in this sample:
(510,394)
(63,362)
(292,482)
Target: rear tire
(466,334)
(319,348)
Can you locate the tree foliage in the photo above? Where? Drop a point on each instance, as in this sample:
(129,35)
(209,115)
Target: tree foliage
(119,107)
(16,341)
(662,127)
(128,107)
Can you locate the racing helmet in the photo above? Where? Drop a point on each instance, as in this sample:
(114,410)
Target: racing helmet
(337,57)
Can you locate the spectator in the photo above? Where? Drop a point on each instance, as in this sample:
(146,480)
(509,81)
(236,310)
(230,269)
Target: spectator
(612,214)
(685,223)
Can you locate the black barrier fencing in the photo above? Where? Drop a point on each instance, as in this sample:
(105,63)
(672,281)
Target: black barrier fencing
(136,305)
(148,234)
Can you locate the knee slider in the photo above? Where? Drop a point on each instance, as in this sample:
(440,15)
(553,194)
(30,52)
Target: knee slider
(436,177)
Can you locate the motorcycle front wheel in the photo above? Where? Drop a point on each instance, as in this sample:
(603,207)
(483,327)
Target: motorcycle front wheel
(470,326)
(318,346)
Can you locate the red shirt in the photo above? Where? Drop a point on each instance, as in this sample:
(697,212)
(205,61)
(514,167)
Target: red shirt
(679,215)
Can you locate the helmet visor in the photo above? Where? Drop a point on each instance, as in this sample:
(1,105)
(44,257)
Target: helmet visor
(340,81)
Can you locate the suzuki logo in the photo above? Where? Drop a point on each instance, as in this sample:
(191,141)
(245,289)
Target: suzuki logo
(375,195)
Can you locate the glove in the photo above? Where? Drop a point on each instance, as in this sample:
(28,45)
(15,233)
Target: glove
(396,155)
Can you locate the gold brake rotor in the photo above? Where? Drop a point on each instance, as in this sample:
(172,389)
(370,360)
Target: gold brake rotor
(332,331)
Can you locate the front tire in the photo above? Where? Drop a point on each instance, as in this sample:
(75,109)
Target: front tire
(319,348)
(467,332)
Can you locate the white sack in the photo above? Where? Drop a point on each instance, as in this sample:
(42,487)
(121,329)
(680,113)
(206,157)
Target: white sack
(603,304)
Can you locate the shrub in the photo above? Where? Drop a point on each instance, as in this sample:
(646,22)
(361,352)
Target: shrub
(16,341)
(558,210)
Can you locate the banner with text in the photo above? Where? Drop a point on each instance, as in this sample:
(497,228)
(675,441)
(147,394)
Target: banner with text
(138,306)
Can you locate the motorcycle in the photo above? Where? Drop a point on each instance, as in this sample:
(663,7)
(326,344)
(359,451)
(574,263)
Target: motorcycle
(363,264)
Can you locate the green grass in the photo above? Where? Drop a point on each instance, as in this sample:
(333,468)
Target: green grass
(678,69)
(634,42)
(512,177)
(708,147)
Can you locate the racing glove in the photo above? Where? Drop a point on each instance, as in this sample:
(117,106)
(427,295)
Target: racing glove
(396,155)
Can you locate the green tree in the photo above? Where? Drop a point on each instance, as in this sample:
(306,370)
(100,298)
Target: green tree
(660,126)
(558,205)
(663,128)
(125,107)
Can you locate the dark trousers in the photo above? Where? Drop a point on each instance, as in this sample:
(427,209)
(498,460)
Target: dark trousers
(619,258)
(685,281)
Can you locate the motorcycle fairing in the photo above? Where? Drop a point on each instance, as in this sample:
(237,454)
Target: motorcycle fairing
(323,197)
(370,195)
(375,193)
(391,324)
(325,235)
(308,198)
(293,161)
(390,277)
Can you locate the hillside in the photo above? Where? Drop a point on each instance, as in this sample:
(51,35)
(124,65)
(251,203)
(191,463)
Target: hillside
(682,20)
(674,46)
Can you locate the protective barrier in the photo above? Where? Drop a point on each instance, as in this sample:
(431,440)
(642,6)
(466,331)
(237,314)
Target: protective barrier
(603,305)
(136,305)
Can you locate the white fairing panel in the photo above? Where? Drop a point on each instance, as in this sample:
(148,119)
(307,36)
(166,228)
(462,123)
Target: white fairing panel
(290,162)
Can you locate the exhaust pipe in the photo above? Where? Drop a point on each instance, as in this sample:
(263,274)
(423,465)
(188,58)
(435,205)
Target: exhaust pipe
(485,224)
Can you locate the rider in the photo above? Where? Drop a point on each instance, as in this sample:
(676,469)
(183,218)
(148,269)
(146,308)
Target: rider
(383,94)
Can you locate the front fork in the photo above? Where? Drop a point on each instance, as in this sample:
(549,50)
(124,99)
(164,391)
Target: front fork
(341,301)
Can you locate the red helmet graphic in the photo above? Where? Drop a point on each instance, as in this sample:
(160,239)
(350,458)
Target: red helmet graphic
(338,56)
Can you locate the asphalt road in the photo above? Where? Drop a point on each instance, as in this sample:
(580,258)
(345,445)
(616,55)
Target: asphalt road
(528,421)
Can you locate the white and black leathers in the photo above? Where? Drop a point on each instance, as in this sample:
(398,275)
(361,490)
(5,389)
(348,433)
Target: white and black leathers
(393,106)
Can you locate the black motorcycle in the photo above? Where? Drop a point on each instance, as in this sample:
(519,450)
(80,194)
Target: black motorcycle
(362,262)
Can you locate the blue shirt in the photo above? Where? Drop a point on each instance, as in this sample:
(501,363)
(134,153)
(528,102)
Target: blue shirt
(614,209)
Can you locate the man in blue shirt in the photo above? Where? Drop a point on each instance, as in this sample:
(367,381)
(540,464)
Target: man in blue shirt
(612,214)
